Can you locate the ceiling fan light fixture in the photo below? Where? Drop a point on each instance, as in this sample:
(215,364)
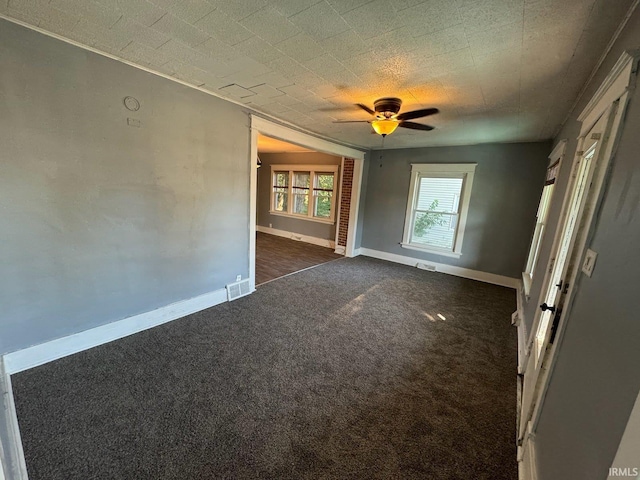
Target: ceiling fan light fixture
(384,127)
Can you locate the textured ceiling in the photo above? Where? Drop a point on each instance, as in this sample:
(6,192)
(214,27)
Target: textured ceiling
(499,70)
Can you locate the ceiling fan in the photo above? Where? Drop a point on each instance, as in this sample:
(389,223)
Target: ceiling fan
(387,119)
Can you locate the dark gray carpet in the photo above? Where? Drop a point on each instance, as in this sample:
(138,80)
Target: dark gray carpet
(344,371)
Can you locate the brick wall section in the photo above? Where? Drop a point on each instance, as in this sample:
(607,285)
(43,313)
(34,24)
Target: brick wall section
(345,201)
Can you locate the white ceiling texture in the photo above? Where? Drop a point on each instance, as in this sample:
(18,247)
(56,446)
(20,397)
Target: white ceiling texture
(498,70)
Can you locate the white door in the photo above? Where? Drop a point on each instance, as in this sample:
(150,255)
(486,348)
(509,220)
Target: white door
(563,263)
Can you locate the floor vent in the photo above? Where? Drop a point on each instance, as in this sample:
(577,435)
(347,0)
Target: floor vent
(426,266)
(238,289)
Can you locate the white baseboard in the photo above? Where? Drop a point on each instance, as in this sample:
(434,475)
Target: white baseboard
(443,268)
(357,252)
(340,250)
(30,357)
(297,236)
(12,463)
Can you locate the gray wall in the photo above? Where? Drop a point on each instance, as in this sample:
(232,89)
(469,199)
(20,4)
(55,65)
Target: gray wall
(504,200)
(305,227)
(101,220)
(596,379)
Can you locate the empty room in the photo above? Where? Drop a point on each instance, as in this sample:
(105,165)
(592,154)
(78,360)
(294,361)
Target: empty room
(319,239)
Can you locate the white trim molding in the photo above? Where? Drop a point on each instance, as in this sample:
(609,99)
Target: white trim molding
(12,462)
(297,236)
(527,464)
(619,81)
(354,206)
(486,277)
(281,132)
(521,326)
(558,151)
(40,354)
(464,171)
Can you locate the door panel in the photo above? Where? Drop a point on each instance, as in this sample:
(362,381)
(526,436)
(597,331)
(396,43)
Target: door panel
(562,264)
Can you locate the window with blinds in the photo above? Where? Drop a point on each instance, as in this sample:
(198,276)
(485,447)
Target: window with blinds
(437,207)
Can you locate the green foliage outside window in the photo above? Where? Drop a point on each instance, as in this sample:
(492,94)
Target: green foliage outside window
(428,220)
(323,200)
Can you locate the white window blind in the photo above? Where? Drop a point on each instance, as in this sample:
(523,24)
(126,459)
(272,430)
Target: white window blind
(437,207)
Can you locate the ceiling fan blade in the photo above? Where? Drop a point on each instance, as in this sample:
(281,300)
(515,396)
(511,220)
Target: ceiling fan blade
(366,109)
(351,121)
(425,112)
(416,126)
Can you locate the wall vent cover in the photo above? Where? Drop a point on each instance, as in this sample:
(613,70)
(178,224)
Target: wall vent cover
(426,266)
(238,289)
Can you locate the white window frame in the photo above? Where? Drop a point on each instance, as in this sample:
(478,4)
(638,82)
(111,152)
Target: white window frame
(555,162)
(466,171)
(313,170)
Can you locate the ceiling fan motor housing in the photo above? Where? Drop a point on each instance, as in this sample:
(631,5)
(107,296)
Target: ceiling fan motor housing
(387,107)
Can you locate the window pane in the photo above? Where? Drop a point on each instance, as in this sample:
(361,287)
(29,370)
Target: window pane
(281,179)
(301,179)
(439,194)
(300,191)
(434,229)
(280,200)
(323,191)
(324,181)
(323,204)
(301,203)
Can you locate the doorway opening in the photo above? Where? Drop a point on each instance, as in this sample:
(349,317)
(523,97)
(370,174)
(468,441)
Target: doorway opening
(297,208)
(305,194)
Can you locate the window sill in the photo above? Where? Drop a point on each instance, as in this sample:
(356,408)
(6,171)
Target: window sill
(434,251)
(302,217)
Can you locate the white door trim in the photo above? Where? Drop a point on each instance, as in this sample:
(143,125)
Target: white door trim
(12,462)
(354,207)
(616,83)
(621,80)
(527,465)
(290,135)
(263,126)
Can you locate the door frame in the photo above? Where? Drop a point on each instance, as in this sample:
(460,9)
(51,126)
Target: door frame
(616,89)
(581,190)
(260,125)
